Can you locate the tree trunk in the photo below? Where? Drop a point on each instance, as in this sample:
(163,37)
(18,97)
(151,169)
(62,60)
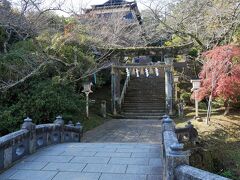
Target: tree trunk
(5,47)
(209,109)
(5,44)
(227,107)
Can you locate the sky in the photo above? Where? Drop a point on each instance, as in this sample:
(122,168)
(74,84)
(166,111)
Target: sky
(96,2)
(76,5)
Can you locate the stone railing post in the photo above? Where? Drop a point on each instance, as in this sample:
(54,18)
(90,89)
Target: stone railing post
(175,158)
(59,120)
(78,125)
(31,127)
(70,123)
(173,151)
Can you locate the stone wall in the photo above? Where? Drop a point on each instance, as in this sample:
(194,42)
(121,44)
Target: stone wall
(32,137)
(184,172)
(176,160)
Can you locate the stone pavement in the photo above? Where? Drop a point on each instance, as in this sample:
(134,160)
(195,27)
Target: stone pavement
(126,130)
(139,158)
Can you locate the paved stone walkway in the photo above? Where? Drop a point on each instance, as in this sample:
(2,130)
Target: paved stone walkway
(126,130)
(138,158)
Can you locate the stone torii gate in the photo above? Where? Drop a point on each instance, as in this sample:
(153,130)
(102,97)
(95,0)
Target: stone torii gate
(166,56)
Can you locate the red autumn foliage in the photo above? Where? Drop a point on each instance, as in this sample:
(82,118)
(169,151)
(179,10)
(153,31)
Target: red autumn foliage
(221,73)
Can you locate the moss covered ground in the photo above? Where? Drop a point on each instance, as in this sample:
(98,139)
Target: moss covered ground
(218,149)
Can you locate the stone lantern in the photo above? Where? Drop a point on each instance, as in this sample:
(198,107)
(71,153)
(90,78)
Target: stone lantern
(87,90)
(195,86)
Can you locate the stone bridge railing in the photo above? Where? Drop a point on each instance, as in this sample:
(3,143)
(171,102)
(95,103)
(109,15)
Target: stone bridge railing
(32,137)
(176,160)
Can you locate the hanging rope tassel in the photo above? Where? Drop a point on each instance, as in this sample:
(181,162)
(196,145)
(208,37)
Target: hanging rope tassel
(128,72)
(137,72)
(157,71)
(146,72)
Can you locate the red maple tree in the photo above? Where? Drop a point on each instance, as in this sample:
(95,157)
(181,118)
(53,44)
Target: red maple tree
(220,75)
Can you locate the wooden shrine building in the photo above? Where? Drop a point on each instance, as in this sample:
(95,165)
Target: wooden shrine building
(128,11)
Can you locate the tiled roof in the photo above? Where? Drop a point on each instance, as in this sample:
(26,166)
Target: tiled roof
(113,3)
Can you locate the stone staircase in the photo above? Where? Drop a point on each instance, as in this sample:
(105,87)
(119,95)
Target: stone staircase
(144,98)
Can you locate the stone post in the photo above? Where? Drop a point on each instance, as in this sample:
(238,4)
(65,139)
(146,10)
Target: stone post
(87,104)
(59,120)
(113,90)
(117,83)
(173,151)
(78,125)
(169,85)
(31,127)
(175,158)
(70,123)
(104,108)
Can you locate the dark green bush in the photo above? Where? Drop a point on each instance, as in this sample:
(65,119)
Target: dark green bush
(202,105)
(186,97)
(41,101)
(236,105)
(229,174)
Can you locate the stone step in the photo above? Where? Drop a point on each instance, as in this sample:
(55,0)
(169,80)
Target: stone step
(145,92)
(155,99)
(157,84)
(154,107)
(142,107)
(139,97)
(135,99)
(145,97)
(151,77)
(143,110)
(134,104)
(147,102)
(147,81)
(147,87)
(143,117)
(142,104)
(142,114)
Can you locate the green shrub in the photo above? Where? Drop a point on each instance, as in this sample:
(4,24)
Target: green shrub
(42,101)
(228,174)
(236,105)
(186,98)
(202,105)
(193,52)
(217,104)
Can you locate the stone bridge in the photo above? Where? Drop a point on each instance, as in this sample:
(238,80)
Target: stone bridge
(119,149)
